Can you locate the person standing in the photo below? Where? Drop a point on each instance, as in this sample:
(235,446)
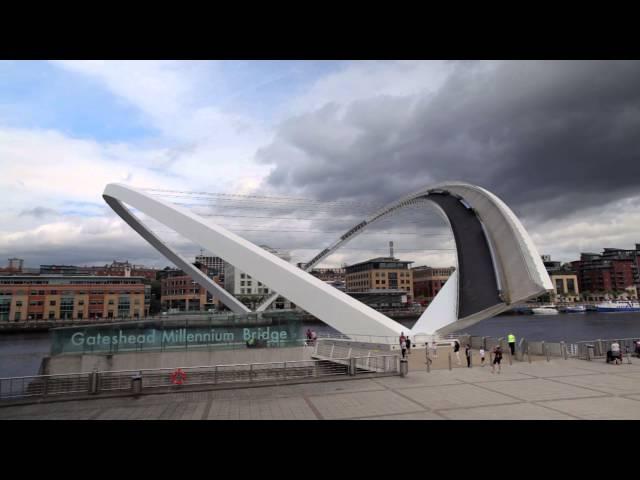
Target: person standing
(512,343)
(402,338)
(497,358)
(467,352)
(403,347)
(408,345)
(456,349)
(616,354)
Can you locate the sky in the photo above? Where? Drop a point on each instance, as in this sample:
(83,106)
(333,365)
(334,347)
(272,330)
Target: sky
(558,141)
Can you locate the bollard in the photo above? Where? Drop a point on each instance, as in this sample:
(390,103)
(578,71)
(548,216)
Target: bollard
(136,384)
(404,367)
(449,360)
(563,350)
(93,382)
(352,366)
(509,355)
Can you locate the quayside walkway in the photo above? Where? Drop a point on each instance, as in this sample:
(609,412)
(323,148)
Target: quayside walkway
(555,390)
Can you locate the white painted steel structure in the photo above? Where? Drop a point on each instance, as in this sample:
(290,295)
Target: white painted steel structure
(519,271)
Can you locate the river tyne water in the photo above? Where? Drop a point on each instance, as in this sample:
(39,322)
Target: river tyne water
(21,353)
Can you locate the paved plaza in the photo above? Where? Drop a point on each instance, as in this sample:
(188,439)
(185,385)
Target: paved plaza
(555,390)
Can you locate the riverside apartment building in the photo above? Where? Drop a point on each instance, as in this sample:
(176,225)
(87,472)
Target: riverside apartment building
(59,297)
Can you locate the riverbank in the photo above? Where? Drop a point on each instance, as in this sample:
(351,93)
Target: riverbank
(21,353)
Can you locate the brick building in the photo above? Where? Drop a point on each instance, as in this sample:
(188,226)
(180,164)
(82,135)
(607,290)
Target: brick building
(125,269)
(180,293)
(614,270)
(428,281)
(58,297)
(382,273)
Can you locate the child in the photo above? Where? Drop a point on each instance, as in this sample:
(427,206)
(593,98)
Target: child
(482,357)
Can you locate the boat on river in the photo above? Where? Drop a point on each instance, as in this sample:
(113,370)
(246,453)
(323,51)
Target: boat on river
(619,306)
(545,310)
(575,309)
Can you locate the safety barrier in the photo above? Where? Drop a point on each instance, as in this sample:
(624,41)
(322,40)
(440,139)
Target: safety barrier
(146,380)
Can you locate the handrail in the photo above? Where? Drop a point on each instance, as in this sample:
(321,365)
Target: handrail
(123,380)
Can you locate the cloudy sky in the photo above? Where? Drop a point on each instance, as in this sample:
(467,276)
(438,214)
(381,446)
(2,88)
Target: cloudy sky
(559,142)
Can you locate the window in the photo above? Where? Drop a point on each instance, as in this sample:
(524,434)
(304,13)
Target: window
(17,316)
(52,303)
(18,304)
(52,315)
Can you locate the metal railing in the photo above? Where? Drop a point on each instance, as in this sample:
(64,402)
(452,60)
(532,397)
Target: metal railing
(124,380)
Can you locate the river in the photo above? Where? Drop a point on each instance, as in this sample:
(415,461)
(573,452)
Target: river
(21,353)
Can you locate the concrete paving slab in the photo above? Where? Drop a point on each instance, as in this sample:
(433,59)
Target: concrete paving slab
(550,369)
(540,389)
(603,408)
(483,374)
(362,404)
(453,396)
(407,416)
(601,366)
(611,384)
(261,409)
(343,386)
(418,379)
(517,411)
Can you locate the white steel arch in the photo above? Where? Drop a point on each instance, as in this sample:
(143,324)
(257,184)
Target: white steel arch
(520,273)
(344,313)
(517,266)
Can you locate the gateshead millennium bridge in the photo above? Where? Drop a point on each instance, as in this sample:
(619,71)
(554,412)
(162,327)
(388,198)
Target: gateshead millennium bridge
(498,265)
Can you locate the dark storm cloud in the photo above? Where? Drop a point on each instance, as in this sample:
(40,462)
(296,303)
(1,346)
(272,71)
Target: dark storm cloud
(548,136)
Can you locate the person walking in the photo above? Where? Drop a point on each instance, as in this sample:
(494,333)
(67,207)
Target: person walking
(482,357)
(408,345)
(403,347)
(402,338)
(497,358)
(512,343)
(467,352)
(456,349)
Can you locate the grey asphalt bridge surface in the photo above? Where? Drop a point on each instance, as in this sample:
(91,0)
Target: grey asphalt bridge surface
(555,390)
